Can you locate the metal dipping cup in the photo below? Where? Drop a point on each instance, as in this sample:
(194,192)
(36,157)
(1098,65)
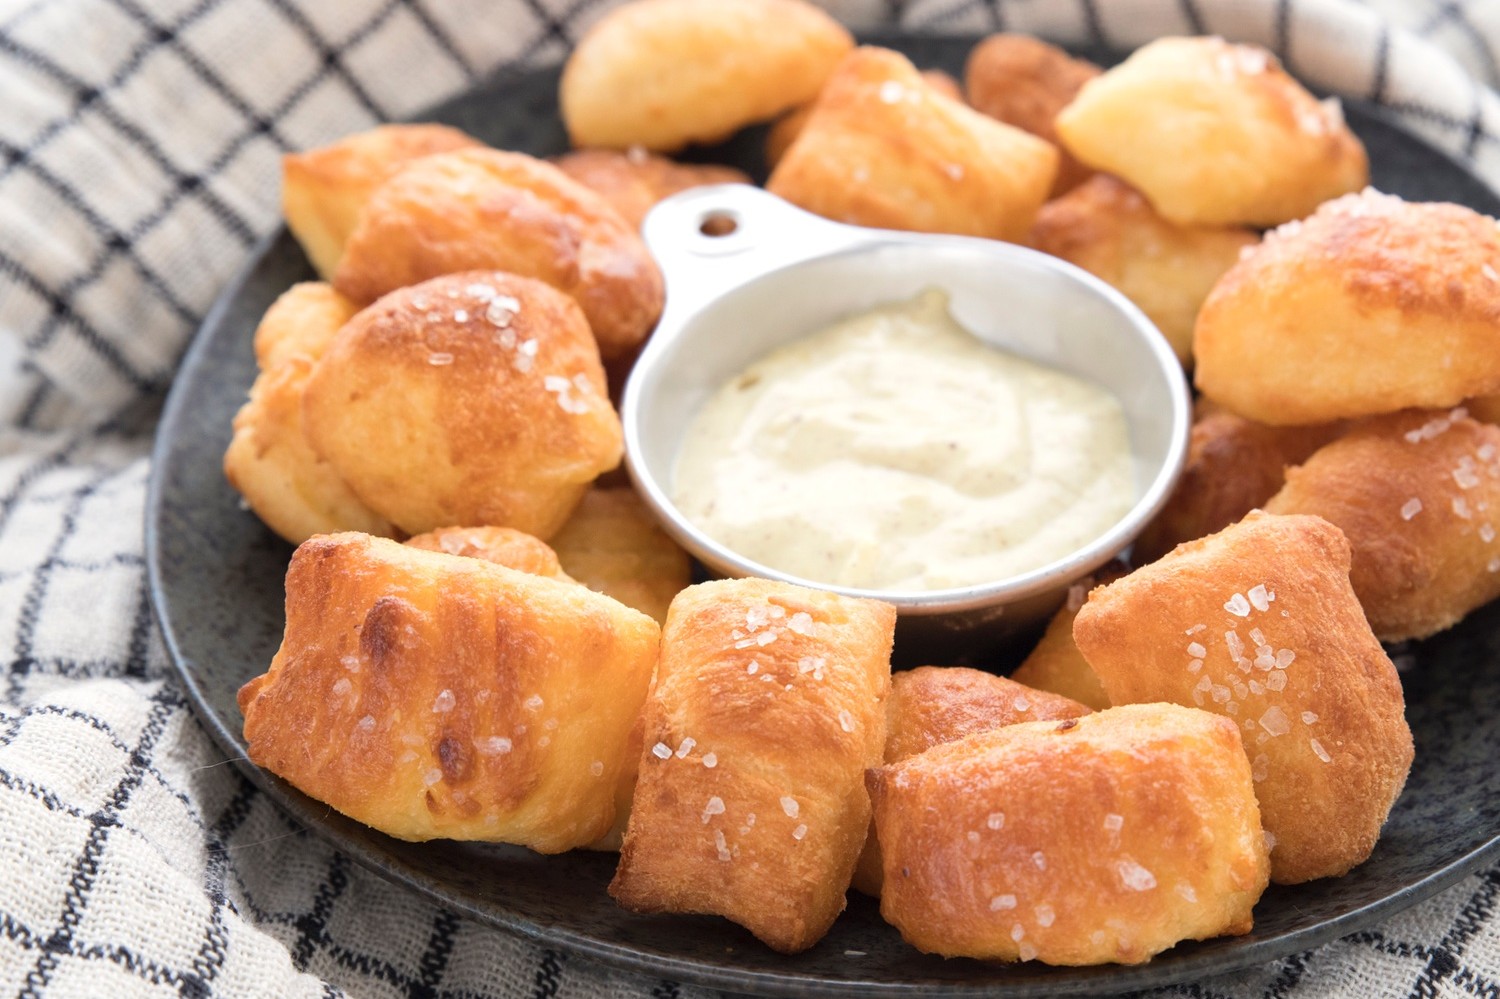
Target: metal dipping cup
(747,272)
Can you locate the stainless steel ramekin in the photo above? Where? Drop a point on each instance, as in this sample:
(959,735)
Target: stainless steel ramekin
(782,273)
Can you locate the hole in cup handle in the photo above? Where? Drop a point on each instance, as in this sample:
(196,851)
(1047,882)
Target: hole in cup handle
(708,240)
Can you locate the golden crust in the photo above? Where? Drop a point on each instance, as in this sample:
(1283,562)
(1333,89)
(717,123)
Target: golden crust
(1371,305)
(665,73)
(431,696)
(1484,408)
(1056,665)
(324,189)
(614,545)
(784,132)
(1418,496)
(1266,610)
(1214,134)
(884,149)
(482,209)
(269,462)
(435,415)
(500,545)
(1104,838)
(768,705)
(931,705)
(634,181)
(1025,82)
(1109,230)
(1234,465)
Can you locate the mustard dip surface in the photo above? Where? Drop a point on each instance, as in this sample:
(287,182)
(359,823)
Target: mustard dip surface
(896,451)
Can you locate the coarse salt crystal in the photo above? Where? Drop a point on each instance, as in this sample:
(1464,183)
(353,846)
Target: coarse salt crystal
(1194,665)
(972,836)
(662,751)
(1044,915)
(1196,650)
(1494,565)
(366,724)
(710,760)
(1319,751)
(1134,876)
(1489,273)
(1461,508)
(686,746)
(801,623)
(432,776)
(1275,721)
(1284,658)
(461,315)
(1260,767)
(597,768)
(534,702)
(1000,902)
(1465,477)
(1021,703)
(1486,533)
(1186,891)
(753,668)
(1238,605)
(1257,688)
(765,638)
(790,806)
(1220,694)
(721,845)
(1270,839)
(1276,681)
(1411,508)
(342,686)
(1308,717)
(1113,822)
(1260,597)
(846,721)
(715,806)
(1040,860)
(891,92)
(444,702)
(996,820)
(1258,637)
(800,831)
(1026,951)
(1235,643)
(439,359)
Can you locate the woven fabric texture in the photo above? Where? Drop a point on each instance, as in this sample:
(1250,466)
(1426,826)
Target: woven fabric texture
(140,143)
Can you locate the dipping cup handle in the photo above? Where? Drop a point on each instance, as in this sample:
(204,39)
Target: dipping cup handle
(711,239)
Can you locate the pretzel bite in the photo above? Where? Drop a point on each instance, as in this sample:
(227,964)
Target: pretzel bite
(665,73)
(884,149)
(1214,134)
(1108,229)
(1104,838)
(1056,665)
(931,705)
(473,399)
(768,705)
(482,209)
(784,132)
(437,697)
(269,462)
(635,180)
(614,545)
(1371,305)
(1418,496)
(500,545)
(1234,465)
(1025,82)
(1259,623)
(324,189)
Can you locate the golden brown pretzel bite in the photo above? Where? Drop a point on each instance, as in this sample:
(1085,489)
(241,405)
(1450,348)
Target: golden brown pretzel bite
(931,705)
(1418,496)
(884,149)
(768,705)
(482,209)
(1108,229)
(324,189)
(432,696)
(1214,134)
(1104,838)
(782,134)
(269,461)
(665,73)
(1259,623)
(473,399)
(1025,82)
(1372,304)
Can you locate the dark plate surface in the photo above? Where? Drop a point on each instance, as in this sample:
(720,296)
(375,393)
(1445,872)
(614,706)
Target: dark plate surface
(216,577)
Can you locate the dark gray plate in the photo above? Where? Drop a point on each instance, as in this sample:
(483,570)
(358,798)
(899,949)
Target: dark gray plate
(216,580)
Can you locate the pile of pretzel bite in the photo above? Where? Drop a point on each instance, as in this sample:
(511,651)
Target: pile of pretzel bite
(489,638)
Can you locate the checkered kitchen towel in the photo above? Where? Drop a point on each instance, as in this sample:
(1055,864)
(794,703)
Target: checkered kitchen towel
(140,142)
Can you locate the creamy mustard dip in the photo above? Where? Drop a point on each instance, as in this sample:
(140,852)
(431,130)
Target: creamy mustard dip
(896,451)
